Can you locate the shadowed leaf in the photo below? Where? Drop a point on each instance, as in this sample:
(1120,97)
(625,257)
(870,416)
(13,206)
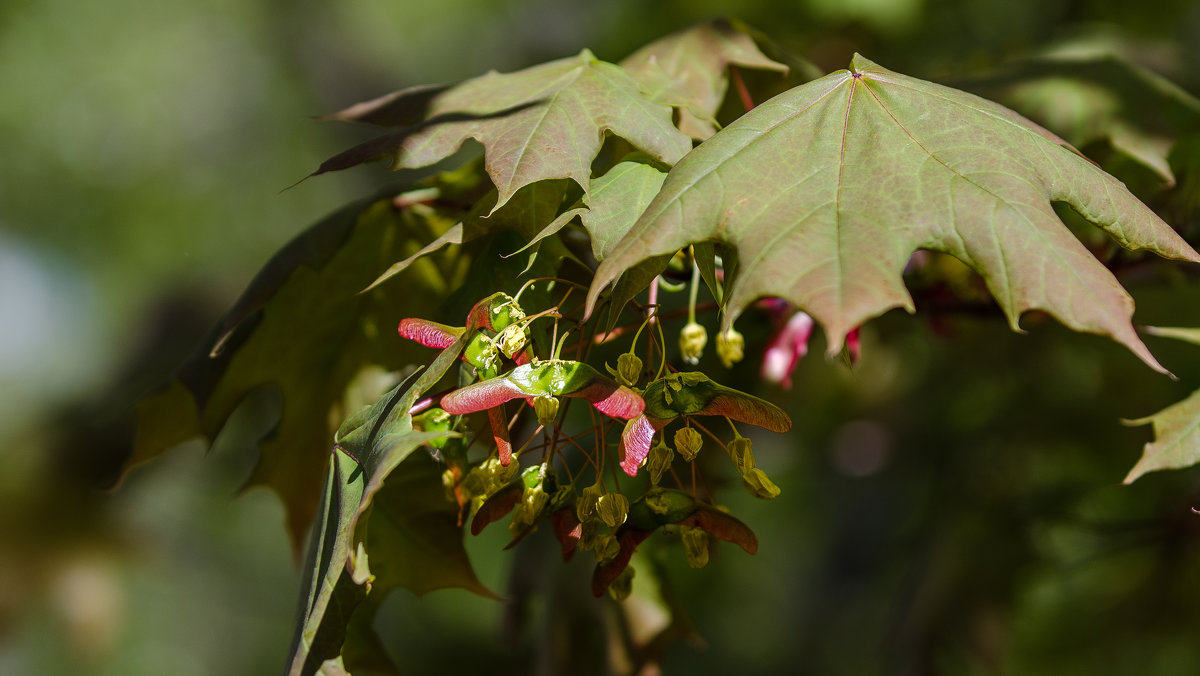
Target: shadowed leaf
(1090,97)
(1176,438)
(301,327)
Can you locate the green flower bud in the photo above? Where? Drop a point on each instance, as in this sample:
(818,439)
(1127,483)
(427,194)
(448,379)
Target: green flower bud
(695,543)
(588,532)
(546,408)
(731,347)
(692,340)
(688,442)
(532,502)
(613,508)
(629,369)
(511,340)
(659,461)
(622,587)
(585,507)
(604,547)
(741,451)
(496,474)
(757,482)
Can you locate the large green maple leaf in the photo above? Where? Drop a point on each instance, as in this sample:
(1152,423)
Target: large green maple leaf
(544,122)
(827,189)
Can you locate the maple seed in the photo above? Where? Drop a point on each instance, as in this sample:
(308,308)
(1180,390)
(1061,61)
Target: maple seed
(688,442)
(692,340)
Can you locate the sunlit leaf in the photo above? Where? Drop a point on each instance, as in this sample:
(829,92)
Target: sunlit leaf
(544,122)
(828,189)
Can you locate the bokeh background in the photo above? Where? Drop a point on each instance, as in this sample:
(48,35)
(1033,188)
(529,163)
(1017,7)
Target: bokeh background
(952,505)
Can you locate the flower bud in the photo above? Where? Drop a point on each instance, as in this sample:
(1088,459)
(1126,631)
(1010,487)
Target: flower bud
(695,543)
(532,502)
(659,461)
(688,442)
(629,369)
(585,507)
(511,340)
(622,587)
(757,482)
(612,508)
(692,340)
(742,453)
(604,547)
(546,408)
(731,347)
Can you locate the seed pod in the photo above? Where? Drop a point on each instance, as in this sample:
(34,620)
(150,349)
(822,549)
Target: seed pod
(688,442)
(659,461)
(759,484)
(605,547)
(695,543)
(629,369)
(585,508)
(613,508)
(742,453)
(692,340)
(731,347)
(546,409)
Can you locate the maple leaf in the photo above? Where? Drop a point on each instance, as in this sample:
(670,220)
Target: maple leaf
(1176,428)
(1088,97)
(544,122)
(690,70)
(1176,438)
(826,190)
(303,328)
(383,521)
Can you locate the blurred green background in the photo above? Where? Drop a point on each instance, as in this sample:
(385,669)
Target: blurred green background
(952,506)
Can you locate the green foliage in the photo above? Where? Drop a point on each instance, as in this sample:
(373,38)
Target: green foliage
(815,199)
(828,189)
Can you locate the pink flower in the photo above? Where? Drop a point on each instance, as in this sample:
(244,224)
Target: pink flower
(786,348)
